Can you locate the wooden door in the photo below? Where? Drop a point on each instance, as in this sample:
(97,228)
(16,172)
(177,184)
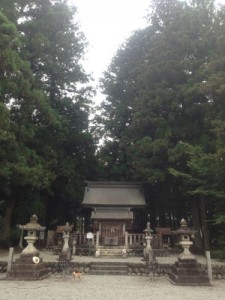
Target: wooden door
(112,234)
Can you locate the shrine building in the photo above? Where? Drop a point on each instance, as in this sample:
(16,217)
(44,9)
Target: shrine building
(113,206)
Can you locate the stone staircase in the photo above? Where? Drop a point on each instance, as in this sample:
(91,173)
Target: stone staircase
(108,268)
(110,252)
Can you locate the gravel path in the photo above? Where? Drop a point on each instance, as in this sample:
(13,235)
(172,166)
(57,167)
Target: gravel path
(91,287)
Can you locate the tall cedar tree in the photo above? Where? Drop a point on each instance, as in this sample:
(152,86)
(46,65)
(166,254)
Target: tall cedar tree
(160,91)
(54,47)
(21,106)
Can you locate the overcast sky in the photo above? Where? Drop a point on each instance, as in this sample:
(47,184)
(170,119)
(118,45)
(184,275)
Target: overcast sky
(106,25)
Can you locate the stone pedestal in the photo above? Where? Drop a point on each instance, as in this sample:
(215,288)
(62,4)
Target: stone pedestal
(66,237)
(188,272)
(148,249)
(25,269)
(29,266)
(30,250)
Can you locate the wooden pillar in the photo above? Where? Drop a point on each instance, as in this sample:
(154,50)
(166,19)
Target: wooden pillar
(21,240)
(10,258)
(126,239)
(139,239)
(100,228)
(131,239)
(97,240)
(124,228)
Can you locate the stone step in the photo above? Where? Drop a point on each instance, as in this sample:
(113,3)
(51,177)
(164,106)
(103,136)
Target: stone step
(111,252)
(108,272)
(27,274)
(111,247)
(185,271)
(27,267)
(189,280)
(111,255)
(108,268)
(109,263)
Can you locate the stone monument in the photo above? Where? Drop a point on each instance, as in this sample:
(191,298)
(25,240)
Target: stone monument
(186,271)
(66,250)
(29,266)
(148,252)
(65,254)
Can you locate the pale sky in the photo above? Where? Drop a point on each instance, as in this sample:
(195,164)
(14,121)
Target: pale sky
(106,25)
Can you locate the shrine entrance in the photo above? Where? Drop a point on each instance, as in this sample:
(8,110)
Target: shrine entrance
(112,233)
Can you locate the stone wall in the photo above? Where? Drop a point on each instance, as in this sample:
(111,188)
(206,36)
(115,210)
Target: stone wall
(68,268)
(134,269)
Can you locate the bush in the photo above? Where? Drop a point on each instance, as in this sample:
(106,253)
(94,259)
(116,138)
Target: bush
(218,254)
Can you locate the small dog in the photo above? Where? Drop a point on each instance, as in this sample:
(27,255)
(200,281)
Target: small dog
(77,275)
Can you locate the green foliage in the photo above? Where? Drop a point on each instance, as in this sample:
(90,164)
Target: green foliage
(165,98)
(46,148)
(154,87)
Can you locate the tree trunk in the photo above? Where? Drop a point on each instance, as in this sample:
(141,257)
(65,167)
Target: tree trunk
(7,219)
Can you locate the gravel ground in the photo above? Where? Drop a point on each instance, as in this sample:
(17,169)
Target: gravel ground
(91,287)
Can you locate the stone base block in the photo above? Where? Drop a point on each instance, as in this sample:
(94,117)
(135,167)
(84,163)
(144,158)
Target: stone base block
(25,269)
(188,272)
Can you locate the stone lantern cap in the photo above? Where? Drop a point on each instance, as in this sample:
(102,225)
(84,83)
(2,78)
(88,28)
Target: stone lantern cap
(32,225)
(184,229)
(148,229)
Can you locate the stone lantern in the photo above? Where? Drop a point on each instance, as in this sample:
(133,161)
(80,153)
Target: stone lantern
(32,227)
(147,252)
(29,266)
(65,254)
(66,251)
(186,271)
(66,236)
(185,232)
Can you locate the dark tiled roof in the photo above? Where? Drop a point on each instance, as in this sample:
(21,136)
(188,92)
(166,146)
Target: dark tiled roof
(114,194)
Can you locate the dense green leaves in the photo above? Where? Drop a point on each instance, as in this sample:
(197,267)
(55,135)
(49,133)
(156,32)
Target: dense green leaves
(46,148)
(165,98)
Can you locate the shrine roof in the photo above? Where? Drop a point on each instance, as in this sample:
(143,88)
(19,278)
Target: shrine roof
(109,194)
(119,214)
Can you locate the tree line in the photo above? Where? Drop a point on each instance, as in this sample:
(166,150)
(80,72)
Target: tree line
(164,113)
(162,120)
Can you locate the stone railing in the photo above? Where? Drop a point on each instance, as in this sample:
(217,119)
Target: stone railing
(134,240)
(81,239)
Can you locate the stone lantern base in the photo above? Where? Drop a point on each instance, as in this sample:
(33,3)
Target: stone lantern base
(25,269)
(188,272)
